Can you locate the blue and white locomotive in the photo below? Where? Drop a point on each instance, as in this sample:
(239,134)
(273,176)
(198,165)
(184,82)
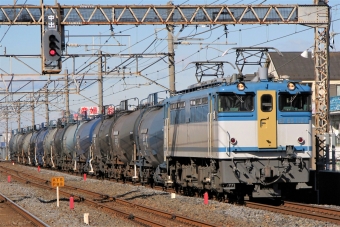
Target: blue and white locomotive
(243,138)
(231,137)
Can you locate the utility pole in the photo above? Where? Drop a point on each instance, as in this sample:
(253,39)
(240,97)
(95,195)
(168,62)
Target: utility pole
(67,97)
(100,83)
(46,104)
(322,78)
(171,52)
(7,134)
(32,109)
(19,117)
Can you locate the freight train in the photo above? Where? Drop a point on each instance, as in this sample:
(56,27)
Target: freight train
(231,137)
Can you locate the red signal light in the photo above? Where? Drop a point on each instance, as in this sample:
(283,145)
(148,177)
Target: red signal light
(52,52)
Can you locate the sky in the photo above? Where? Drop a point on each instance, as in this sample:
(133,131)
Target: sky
(206,43)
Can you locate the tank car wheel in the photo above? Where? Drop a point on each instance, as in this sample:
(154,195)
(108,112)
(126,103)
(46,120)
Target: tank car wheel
(220,197)
(240,199)
(177,190)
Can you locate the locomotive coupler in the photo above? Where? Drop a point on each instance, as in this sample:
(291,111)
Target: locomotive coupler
(289,149)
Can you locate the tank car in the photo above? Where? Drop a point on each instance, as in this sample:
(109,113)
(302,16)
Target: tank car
(26,146)
(149,141)
(57,144)
(103,160)
(84,150)
(48,145)
(39,145)
(12,145)
(31,151)
(69,146)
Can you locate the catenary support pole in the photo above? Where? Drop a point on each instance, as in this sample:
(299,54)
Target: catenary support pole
(100,83)
(67,97)
(171,52)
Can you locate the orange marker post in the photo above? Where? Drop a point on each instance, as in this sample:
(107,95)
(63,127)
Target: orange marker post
(38,168)
(84,176)
(9,179)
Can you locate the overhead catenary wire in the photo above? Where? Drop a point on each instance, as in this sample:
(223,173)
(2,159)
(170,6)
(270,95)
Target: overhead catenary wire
(215,58)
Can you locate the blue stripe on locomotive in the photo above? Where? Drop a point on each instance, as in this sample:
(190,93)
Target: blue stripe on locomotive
(242,149)
(256,149)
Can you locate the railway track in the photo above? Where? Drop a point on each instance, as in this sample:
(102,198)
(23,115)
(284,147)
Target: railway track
(301,210)
(138,213)
(12,214)
(289,208)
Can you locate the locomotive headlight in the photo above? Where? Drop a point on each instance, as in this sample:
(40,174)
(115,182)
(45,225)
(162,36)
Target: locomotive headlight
(300,140)
(240,86)
(233,141)
(291,86)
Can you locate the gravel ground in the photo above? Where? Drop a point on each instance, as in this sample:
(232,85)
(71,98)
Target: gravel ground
(221,214)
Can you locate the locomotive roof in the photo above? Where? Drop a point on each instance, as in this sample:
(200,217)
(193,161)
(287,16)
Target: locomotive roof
(221,85)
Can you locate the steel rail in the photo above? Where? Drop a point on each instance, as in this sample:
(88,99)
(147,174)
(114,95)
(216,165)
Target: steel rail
(95,204)
(296,211)
(164,214)
(26,214)
(313,208)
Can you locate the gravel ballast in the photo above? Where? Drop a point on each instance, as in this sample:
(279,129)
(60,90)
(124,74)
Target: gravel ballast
(36,201)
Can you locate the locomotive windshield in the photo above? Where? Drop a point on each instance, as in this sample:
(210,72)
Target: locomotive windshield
(294,102)
(235,103)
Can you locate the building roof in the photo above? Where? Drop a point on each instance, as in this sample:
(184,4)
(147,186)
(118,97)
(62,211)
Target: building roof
(299,68)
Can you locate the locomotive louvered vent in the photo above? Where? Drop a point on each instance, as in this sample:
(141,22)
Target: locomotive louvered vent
(207,83)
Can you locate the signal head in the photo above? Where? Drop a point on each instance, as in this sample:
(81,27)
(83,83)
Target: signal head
(52,45)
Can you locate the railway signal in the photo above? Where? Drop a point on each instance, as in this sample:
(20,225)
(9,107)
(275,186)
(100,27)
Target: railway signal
(52,52)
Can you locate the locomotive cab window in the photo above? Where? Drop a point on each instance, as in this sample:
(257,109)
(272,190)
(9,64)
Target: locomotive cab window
(266,103)
(235,103)
(294,102)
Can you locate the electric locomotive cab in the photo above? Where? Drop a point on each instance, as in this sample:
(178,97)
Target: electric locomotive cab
(265,128)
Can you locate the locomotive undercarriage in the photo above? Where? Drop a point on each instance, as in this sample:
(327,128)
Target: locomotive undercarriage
(238,179)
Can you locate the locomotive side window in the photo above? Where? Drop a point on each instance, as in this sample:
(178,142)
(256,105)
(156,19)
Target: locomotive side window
(177,113)
(266,103)
(199,110)
(294,102)
(235,103)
